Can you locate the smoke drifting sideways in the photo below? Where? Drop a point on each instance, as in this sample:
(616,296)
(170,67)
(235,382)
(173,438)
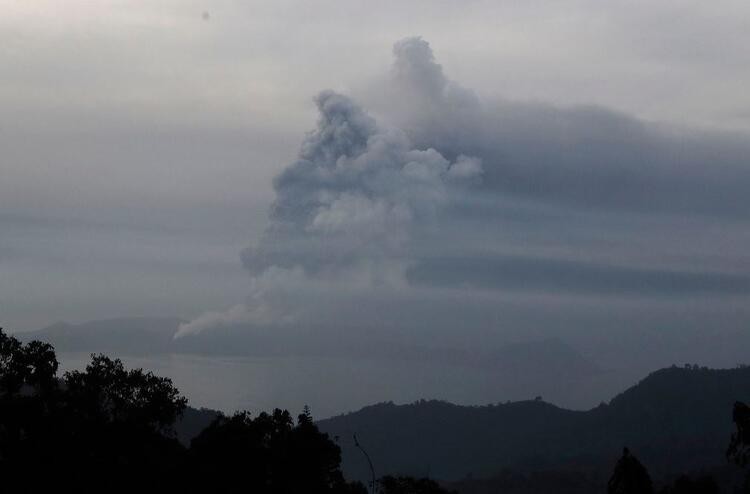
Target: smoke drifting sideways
(346,213)
(453,211)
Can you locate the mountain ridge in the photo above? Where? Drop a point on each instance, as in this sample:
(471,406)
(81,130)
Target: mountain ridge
(125,335)
(676,419)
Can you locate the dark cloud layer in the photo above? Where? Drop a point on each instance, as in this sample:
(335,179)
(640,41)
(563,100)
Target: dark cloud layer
(587,157)
(436,196)
(529,274)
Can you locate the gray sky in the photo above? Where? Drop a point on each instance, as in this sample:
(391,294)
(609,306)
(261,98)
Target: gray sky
(568,167)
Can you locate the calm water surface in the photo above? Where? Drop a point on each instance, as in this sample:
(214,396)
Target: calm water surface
(335,385)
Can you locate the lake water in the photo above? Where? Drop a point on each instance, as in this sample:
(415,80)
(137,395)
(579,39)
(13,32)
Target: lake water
(335,385)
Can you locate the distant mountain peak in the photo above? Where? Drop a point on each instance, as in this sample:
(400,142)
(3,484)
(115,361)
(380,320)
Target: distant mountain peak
(126,335)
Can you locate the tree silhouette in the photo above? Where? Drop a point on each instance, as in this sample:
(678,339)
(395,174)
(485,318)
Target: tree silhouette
(110,429)
(739,444)
(104,429)
(27,403)
(409,485)
(685,485)
(629,477)
(108,393)
(121,422)
(33,365)
(267,454)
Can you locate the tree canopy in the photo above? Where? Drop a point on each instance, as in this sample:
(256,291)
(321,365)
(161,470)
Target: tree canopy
(110,429)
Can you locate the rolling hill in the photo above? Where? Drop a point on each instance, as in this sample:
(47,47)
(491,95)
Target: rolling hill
(129,336)
(676,420)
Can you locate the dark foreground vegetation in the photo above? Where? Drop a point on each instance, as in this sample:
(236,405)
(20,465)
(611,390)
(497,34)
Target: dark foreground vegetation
(109,429)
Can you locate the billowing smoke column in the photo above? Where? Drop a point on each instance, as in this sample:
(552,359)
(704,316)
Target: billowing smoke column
(347,209)
(355,196)
(488,200)
(419,86)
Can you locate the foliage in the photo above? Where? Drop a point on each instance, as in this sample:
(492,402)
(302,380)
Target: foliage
(629,477)
(107,393)
(110,429)
(409,485)
(31,365)
(739,444)
(266,454)
(685,485)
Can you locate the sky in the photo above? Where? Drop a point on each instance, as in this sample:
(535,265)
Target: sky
(448,171)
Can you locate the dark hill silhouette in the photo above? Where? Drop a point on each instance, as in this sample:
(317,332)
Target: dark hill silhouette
(192,422)
(678,419)
(108,428)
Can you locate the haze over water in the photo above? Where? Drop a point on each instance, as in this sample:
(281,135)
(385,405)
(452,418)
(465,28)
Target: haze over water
(331,386)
